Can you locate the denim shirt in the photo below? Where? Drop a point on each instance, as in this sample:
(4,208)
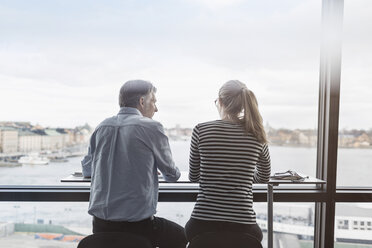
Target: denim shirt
(125,153)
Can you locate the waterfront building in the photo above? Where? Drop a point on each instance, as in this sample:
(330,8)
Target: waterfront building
(28,141)
(82,136)
(8,140)
(68,136)
(52,140)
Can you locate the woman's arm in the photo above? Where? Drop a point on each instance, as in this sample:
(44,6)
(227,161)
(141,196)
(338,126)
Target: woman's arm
(194,162)
(263,168)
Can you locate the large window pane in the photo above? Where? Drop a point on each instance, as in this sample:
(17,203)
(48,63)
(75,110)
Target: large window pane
(355,133)
(61,224)
(62,64)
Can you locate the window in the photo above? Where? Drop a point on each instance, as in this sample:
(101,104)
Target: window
(342,224)
(355,136)
(68,67)
(62,64)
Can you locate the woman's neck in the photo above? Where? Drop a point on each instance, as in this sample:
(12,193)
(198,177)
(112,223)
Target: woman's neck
(230,119)
(226,117)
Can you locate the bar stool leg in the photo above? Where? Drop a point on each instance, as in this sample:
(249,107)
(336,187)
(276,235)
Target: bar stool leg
(270,202)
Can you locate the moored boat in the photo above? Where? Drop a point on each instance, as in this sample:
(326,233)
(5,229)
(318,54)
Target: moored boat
(33,159)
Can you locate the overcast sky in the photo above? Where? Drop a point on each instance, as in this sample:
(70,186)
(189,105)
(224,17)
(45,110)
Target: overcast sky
(62,63)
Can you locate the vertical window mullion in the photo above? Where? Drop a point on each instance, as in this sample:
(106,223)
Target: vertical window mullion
(329,97)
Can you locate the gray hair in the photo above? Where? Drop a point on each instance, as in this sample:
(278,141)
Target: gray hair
(133,90)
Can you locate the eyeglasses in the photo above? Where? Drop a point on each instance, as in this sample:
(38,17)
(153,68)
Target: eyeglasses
(215,101)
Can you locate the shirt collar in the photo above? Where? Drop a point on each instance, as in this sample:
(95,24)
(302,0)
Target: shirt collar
(129,110)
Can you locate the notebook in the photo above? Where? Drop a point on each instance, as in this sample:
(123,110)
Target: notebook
(288,175)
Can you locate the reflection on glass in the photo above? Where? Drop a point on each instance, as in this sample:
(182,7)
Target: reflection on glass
(353,225)
(293,224)
(62,225)
(41,224)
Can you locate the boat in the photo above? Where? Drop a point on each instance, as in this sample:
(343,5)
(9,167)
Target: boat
(57,158)
(75,154)
(9,164)
(33,159)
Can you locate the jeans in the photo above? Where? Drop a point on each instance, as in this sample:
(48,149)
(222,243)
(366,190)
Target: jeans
(195,227)
(161,232)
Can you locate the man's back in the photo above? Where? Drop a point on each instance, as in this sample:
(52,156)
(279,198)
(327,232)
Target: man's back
(126,152)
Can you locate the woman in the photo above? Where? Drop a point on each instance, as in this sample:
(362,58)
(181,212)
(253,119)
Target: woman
(226,157)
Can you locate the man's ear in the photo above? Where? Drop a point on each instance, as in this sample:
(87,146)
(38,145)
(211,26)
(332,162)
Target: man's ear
(142,102)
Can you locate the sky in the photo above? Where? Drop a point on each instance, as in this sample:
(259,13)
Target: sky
(62,63)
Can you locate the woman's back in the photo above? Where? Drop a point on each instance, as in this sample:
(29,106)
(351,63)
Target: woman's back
(226,161)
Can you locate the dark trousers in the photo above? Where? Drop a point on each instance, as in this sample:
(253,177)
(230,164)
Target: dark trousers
(161,232)
(195,227)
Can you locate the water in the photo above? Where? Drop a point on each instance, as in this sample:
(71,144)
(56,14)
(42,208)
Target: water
(354,165)
(355,168)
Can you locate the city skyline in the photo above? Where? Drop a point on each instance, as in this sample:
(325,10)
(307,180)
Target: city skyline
(176,125)
(25,137)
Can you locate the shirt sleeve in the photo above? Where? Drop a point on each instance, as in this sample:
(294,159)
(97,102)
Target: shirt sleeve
(163,155)
(194,161)
(263,168)
(86,163)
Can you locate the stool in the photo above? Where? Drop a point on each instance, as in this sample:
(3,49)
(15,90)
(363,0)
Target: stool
(114,240)
(225,240)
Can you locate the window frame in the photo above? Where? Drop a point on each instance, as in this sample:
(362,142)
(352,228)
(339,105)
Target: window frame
(325,197)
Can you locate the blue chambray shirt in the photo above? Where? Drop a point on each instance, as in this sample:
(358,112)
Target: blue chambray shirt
(124,156)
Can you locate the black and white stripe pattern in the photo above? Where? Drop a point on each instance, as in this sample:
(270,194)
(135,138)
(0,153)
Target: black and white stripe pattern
(226,161)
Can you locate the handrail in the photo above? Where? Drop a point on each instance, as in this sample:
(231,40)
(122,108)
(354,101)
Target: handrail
(167,193)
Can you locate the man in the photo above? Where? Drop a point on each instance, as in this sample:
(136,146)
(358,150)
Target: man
(126,151)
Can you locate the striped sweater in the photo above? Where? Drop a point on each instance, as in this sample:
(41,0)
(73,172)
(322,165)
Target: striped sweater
(226,161)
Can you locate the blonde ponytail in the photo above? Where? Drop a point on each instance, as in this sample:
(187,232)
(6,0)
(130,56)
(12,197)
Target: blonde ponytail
(252,119)
(236,100)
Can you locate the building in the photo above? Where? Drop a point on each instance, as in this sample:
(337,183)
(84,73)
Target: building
(82,136)
(8,140)
(52,140)
(68,136)
(29,141)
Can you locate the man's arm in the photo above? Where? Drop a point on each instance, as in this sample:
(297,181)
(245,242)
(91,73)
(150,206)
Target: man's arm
(163,155)
(194,162)
(263,168)
(86,163)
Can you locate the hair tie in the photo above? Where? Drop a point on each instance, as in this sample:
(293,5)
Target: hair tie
(244,88)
